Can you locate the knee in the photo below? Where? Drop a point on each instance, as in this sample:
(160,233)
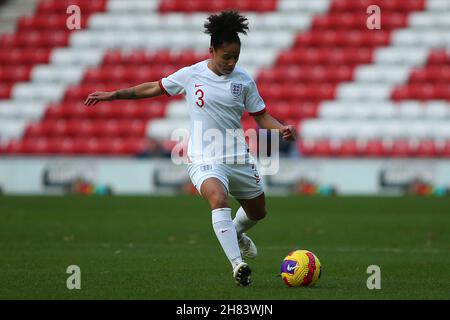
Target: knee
(262,214)
(218,200)
(259,215)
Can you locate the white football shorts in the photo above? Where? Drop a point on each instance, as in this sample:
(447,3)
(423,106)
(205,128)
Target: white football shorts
(242,181)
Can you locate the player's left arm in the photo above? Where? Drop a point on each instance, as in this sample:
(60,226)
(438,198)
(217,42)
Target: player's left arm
(266,121)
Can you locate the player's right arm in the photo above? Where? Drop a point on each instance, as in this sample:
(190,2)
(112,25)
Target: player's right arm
(144,90)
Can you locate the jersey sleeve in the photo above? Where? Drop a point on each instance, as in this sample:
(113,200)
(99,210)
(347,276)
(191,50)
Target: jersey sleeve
(176,82)
(254,104)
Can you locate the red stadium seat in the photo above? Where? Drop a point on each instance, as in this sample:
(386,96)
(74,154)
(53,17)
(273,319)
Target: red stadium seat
(42,22)
(375,148)
(140,145)
(38,146)
(388,6)
(306,148)
(127,111)
(430,79)
(306,74)
(427,148)
(81,128)
(338,38)
(319,148)
(438,57)
(95,75)
(152,110)
(57,128)
(113,57)
(104,111)
(34,130)
(347,20)
(54,111)
(5,90)
(64,146)
(15,147)
(306,110)
(8,40)
(323,148)
(325,56)
(191,6)
(109,128)
(23,56)
(348,148)
(91,146)
(58,6)
(133,128)
(402,148)
(14,73)
(446,149)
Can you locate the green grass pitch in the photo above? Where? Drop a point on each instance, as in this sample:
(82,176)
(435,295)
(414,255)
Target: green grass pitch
(165,248)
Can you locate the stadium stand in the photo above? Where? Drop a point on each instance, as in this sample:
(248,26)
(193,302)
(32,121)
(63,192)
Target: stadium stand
(352,92)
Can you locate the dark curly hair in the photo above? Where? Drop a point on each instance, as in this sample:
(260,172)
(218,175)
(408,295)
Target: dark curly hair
(224,27)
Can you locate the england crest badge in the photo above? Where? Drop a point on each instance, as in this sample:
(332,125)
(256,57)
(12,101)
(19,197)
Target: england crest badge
(236,89)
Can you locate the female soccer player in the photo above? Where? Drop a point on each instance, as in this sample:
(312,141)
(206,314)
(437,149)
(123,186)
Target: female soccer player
(218,92)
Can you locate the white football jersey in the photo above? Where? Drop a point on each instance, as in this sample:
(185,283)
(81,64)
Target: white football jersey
(216,104)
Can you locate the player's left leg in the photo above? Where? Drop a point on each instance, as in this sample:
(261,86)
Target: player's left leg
(246,188)
(250,212)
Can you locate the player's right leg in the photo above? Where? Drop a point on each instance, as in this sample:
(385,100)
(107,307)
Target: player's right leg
(214,191)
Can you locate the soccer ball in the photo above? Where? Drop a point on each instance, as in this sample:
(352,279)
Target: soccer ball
(300,268)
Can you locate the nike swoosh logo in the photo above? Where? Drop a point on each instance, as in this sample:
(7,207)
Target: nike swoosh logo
(198,85)
(223,230)
(291,268)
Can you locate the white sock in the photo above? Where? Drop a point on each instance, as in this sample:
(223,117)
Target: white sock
(226,233)
(242,223)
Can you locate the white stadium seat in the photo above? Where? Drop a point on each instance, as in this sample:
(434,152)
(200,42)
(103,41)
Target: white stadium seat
(25,110)
(437,110)
(437,5)
(412,110)
(38,92)
(57,74)
(369,130)
(303,5)
(342,130)
(281,21)
(76,56)
(401,55)
(382,73)
(11,129)
(313,130)
(363,91)
(132,6)
(420,37)
(441,130)
(178,109)
(364,130)
(162,129)
(430,20)
(333,111)
(420,130)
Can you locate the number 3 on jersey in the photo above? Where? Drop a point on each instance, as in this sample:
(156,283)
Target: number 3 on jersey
(200,94)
